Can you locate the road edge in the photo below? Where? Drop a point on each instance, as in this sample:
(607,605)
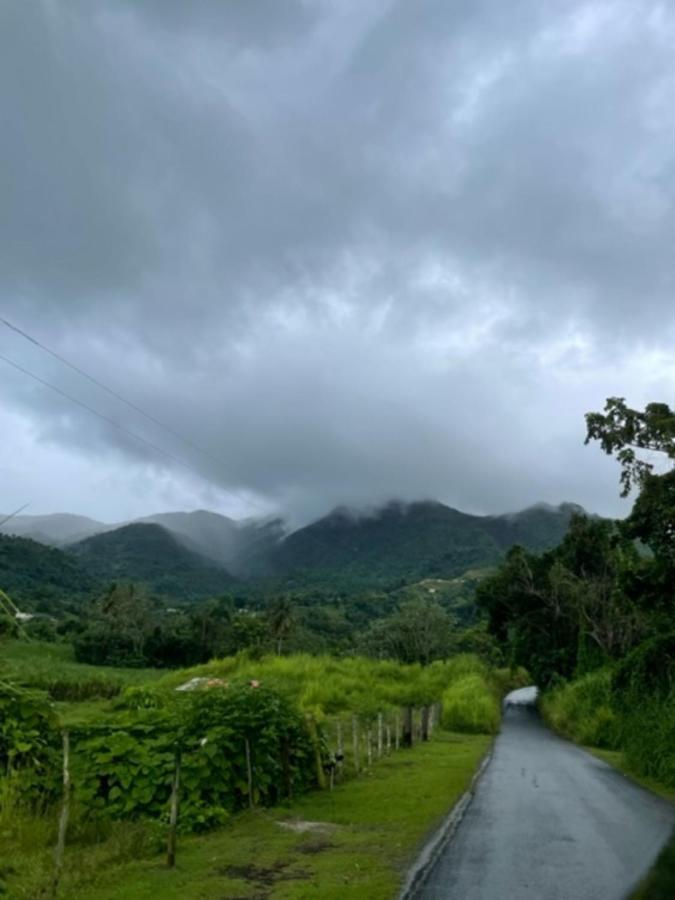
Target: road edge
(434,846)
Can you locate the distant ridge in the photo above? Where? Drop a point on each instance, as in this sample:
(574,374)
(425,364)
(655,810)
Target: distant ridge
(150,554)
(54,529)
(196,554)
(411,541)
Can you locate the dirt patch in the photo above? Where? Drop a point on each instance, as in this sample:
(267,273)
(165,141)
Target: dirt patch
(266,875)
(262,878)
(314,845)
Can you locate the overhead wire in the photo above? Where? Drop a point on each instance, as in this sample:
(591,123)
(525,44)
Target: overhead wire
(15,513)
(121,428)
(111,391)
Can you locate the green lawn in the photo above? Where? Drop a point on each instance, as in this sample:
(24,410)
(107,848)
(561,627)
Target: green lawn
(368,832)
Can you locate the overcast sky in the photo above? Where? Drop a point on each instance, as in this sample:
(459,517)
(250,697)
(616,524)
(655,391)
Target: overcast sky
(352,249)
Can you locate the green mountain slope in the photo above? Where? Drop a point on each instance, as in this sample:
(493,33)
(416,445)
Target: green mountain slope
(42,579)
(151,555)
(222,540)
(408,541)
(538,528)
(420,540)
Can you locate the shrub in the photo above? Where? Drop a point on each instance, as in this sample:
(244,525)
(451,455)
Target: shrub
(127,772)
(507,679)
(582,710)
(470,704)
(643,693)
(27,728)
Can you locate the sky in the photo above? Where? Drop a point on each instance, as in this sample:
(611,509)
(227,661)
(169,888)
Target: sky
(342,250)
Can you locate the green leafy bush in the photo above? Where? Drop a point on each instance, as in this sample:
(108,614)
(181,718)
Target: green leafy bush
(27,728)
(470,704)
(127,773)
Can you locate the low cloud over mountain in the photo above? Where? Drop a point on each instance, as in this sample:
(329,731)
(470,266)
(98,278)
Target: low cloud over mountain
(344,251)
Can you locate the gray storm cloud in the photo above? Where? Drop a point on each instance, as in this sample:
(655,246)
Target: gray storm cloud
(354,250)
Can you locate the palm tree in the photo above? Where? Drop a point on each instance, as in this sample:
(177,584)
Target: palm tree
(281,620)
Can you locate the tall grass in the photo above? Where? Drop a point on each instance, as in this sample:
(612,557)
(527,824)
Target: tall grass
(471,704)
(644,696)
(630,708)
(582,710)
(647,736)
(52,668)
(327,686)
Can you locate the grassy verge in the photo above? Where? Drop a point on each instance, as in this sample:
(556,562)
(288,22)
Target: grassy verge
(615,758)
(368,833)
(660,883)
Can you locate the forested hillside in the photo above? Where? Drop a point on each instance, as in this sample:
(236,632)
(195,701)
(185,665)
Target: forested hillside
(42,579)
(152,556)
(409,541)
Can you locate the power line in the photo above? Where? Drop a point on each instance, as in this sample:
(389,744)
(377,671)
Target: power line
(131,434)
(15,513)
(109,390)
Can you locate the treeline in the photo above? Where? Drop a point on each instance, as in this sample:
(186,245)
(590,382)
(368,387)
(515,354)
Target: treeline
(594,619)
(126,625)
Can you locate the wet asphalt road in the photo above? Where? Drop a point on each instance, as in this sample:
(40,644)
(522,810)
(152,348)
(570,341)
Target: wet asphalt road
(549,822)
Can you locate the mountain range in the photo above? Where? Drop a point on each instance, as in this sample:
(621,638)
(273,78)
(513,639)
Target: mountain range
(192,555)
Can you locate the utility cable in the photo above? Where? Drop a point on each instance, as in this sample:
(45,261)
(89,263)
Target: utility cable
(127,402)
(15,513)
(132,434)
(109,390)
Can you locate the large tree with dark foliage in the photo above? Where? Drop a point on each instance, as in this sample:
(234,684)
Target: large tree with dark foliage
(624,432)
(597,596)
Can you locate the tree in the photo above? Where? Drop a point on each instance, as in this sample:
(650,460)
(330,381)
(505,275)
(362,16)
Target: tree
(652,519)
(281,620)
(624,431)
(210,626)
(119,624)
(567,610)
(419,632)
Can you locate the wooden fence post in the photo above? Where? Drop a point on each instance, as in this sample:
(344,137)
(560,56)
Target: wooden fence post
(355,744)
(424,724)
(339,760)
(286,766)
(379,735)
(173,813)
(249,772)
(314,734)
(63,818)
(407,736)
(388,744)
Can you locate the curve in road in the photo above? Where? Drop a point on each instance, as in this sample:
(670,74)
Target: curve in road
(548,821)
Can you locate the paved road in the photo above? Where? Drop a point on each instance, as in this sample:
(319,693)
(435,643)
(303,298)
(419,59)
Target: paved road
(549,822)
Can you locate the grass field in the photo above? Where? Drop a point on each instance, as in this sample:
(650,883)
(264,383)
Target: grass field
(368,833)
(41,664)
(81,693)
